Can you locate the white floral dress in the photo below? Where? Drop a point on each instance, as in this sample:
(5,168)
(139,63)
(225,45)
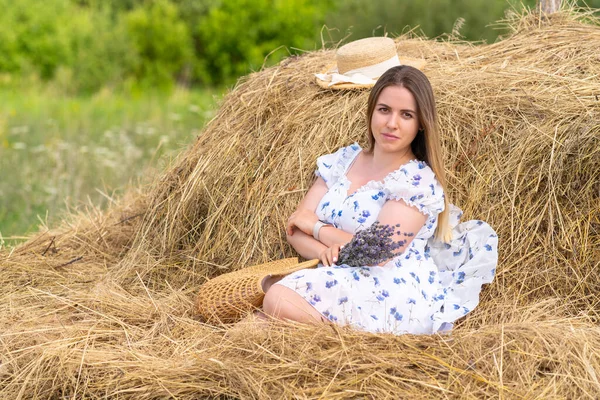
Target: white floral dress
(423,290)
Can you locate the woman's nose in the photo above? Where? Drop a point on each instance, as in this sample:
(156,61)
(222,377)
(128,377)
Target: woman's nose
(392,121)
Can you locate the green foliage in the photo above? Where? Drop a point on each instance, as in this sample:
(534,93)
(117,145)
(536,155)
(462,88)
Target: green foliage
(161,41)
(34,35)
(192,11)
(9,48)
(589,3)
(237,35)
(359,18)
(103,52)
(81,46)
(468,19)
(116,5)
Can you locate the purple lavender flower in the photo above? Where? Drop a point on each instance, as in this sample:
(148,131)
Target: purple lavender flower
(370,246)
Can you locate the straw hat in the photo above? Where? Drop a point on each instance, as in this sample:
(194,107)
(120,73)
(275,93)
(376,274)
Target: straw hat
(360,63)
(228,297)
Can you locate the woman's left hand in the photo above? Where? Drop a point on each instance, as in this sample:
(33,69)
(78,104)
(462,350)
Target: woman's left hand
(329,256)
(302,219)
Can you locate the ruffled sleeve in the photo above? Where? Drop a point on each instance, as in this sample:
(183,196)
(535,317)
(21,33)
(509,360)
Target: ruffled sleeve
(332,166)
(416,184)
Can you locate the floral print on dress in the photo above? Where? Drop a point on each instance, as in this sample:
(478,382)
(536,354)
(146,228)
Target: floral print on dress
(423,290)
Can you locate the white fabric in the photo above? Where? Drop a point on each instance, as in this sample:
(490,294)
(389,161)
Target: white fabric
(423,290)
(361,76)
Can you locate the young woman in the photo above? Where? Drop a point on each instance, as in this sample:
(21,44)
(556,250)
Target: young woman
(398,180)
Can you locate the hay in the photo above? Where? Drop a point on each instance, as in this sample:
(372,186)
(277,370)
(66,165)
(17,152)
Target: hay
(103,306)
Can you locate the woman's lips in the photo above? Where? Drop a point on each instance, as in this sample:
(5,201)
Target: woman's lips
(388,136)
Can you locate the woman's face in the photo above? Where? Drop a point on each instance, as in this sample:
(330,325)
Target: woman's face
(394,122)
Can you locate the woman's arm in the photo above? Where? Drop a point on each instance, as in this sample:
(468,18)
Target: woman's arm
(409,219)
(307,246)
(301,223)
(329,235)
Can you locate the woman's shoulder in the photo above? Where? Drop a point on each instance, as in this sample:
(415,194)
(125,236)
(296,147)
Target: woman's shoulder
(416,184)
(416,171)
(347,153)
(332,166)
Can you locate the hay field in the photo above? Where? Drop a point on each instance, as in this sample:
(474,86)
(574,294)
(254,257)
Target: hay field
(102,306)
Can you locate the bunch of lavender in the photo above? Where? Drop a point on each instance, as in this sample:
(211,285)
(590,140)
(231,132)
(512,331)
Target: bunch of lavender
(370,246)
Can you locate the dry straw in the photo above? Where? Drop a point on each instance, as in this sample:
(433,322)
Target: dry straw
(103,306)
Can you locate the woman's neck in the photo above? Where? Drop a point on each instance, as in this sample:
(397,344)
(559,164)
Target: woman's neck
(387,162)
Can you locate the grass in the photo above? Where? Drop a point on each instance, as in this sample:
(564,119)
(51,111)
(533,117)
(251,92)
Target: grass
(59,151)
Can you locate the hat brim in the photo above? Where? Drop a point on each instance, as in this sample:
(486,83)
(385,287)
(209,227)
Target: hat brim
(418,63)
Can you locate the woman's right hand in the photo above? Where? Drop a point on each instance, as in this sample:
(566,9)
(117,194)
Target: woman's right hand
(303,220)
(329,256)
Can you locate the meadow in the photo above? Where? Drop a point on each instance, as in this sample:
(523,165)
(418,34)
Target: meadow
(59,152)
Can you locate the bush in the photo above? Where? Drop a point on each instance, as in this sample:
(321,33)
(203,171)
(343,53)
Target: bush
(236,36)
(83,45)
(162,43)
(34,35)
(359,18)
(355,19)
(103,53)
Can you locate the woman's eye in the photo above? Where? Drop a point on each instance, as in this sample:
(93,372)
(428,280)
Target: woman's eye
(407,115)
(382,109)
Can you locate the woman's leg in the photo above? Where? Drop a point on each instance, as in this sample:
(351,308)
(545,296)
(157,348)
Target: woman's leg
(269,281)
(283,303)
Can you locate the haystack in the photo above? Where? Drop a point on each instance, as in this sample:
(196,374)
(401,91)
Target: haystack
(102,306)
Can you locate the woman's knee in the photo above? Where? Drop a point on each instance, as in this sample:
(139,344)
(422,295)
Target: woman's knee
(273,300)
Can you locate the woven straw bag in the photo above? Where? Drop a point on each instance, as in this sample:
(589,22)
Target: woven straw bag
(228,297)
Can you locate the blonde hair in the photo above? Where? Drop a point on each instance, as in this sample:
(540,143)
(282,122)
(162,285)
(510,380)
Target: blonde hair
(427,144)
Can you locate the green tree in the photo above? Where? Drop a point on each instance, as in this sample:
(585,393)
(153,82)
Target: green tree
(86,44)
(162,43)
(356,19)
(103,52)
(34,36)
(236,35)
